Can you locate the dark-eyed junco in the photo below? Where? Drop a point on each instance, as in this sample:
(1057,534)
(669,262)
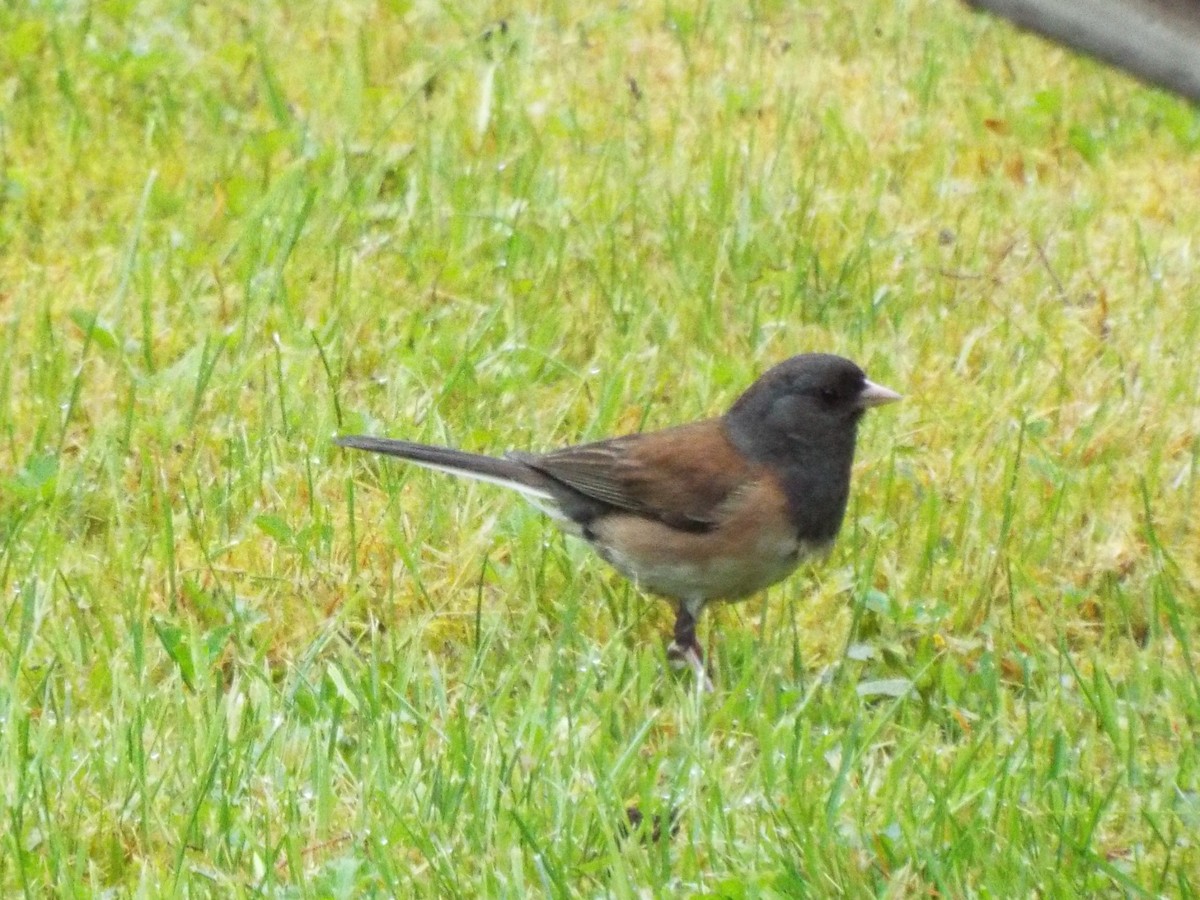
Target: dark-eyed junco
(714,510)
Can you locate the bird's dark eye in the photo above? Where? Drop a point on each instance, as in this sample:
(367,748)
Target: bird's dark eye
(828,394)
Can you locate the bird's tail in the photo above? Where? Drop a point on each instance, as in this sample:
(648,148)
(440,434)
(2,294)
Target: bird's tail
(508,473)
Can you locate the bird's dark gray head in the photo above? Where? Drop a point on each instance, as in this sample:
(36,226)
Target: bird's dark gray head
(809,404)
(801,418)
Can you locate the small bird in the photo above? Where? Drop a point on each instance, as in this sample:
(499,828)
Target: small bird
(713,510)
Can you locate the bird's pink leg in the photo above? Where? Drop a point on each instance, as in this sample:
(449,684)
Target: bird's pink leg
(685,649)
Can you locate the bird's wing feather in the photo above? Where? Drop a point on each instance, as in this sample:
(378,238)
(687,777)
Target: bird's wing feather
(657,475)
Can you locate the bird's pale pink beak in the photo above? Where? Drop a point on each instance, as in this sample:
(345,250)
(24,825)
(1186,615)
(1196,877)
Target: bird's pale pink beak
(876,395)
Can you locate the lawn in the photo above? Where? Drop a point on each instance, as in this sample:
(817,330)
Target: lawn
(236,660)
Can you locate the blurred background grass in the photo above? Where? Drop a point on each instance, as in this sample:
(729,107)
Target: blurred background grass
(235,657)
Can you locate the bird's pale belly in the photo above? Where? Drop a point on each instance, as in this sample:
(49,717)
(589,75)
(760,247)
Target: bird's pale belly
(709,566)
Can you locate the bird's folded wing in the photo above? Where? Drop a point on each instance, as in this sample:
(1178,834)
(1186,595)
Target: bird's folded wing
(681,476)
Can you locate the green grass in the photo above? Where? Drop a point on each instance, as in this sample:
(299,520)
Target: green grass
(234,659)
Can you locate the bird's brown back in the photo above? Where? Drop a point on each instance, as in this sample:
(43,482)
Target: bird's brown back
(680,476)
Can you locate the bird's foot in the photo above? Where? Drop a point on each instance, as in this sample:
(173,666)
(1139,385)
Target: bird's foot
(691,657)
(685,650)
